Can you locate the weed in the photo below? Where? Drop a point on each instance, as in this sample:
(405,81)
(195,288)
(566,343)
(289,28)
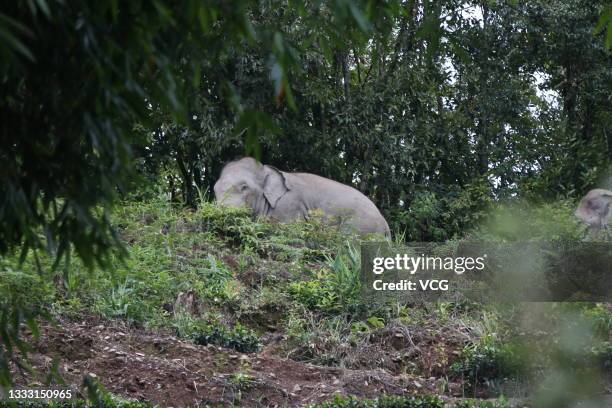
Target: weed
(385,401)
(210,331)
(490,364)
(335,288)
(239,338)
(601,317)
(234,225)
(118,303)
(500,403)
(18,286)
(241,381)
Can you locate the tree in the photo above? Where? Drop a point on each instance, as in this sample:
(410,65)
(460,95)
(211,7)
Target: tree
(446,105)
(79,78)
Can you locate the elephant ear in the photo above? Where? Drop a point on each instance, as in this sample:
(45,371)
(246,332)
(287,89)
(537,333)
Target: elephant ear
(274,186)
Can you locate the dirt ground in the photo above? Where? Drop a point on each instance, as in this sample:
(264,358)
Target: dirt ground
(159,368)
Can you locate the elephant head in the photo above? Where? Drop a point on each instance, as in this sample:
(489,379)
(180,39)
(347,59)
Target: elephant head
(595,208)
(248,183)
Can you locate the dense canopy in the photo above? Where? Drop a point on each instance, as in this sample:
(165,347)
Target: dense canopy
(433,109)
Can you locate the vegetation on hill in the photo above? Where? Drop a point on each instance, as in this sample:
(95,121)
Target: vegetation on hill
(216,277)
(458,118)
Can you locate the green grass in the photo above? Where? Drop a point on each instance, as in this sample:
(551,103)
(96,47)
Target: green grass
(250,277)
(386,401)
(382,402)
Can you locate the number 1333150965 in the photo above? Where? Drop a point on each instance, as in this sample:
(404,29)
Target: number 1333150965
(38,393)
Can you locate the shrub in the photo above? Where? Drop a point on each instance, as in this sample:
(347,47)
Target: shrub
(121,302)
(335,288)
(22,287)
(489,363)
(384,401)
(204,332)
(601,318)
(525,222)
(239,338)
(483,404)
(106,401)
(217,280)
(234,225)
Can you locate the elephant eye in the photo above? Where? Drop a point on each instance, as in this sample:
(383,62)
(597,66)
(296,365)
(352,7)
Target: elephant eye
(244,187)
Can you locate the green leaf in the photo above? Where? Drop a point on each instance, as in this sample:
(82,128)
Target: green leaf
(5,24)
(605,19)
(44,7)
(361,20)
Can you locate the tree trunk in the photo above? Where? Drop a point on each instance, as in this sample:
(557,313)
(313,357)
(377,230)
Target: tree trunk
(188,193)
(345,75)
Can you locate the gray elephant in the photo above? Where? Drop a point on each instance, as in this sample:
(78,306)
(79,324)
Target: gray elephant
(286,197)
(595,209)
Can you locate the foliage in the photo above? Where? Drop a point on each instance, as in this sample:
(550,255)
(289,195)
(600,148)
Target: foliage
(334,289)
(605,22)
(430,120)
(484,404)
(109,403)
(235,225)
(111,66)
(24,295)
(600,316)
(523,221)
(24,286)
(439,216)
(438,111)
(98,396)
(241,294)
(382,402)
(238,338)
(386,401)
(205,332)
(490,363)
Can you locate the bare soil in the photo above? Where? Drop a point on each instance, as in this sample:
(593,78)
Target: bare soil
(162,369)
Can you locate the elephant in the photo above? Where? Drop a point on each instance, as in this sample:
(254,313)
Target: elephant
(595,209)
(287,197)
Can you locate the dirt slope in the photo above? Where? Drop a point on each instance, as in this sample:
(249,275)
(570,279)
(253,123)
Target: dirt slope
(166,371)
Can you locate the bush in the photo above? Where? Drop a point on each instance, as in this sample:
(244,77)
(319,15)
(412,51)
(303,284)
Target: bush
(483,404)
(234,225)
(489,363)
(601,318)
(239,338)
(335,288)
(442,214)
(106,402)
(384,401)
(526,222)
(21,287)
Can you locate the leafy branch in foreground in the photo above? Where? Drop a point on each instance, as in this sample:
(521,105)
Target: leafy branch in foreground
(78,79)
